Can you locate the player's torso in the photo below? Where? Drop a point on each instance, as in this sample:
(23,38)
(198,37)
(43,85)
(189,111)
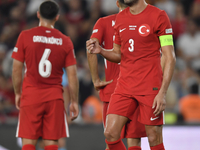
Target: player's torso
(44,57)
(140,49)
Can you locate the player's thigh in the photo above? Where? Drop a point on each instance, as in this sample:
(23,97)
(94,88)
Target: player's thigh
(30,121)
(105,108)
(122,105)
(146,115)
(133,128)
(55,121)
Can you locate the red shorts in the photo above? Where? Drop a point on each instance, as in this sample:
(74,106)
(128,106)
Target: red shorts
(47,120)
(126,105)
(132,129)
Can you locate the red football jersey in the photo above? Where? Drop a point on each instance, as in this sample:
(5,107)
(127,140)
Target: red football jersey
(138,35)
(45,52)
(104,32)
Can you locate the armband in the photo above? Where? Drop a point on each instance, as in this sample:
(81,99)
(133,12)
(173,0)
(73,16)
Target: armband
(166,40)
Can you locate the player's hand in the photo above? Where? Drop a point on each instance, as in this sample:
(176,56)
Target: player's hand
(93,47)
(101,84)
(17,100)
(159,103)
(74,110)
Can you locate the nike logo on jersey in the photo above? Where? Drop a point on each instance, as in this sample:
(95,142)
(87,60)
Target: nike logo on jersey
(152,119)
(122,30)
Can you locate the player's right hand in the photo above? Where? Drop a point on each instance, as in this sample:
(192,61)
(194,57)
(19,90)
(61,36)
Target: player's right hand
(101,84)
(17,100)
(74,110)
(93,47)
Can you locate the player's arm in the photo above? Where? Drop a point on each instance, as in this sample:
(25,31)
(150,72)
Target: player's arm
(168,64)
(73,90)
(17,80)
(93,65)
(113,55)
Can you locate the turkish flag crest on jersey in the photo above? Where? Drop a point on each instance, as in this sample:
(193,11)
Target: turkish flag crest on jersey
(144,30)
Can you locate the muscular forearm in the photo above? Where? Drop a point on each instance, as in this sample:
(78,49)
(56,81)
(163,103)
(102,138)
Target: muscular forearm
(17,76)
(73,85)
(168,68)
(93,64)
(111,55)
(17,82)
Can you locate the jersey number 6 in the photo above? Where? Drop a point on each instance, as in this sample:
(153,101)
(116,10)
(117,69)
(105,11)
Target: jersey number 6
(45,65)
(131,48)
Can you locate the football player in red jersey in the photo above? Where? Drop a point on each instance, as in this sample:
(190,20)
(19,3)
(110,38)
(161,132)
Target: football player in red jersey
(44,51)
(103,33)
(141,30)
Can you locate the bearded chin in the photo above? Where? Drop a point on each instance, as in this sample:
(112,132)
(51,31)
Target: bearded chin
(131,2)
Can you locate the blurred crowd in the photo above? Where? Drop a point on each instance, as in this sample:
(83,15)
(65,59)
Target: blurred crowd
(77,18)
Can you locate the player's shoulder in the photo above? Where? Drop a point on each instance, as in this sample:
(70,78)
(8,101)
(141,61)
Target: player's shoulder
(155,10)
(106,19)
(28,31)
(110,17)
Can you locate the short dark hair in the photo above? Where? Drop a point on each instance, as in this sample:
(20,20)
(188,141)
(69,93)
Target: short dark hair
(49,9)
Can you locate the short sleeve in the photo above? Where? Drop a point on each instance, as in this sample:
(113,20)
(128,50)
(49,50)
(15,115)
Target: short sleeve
(18,51)
(163,25)
(98,30)
(70,57)
(117,36)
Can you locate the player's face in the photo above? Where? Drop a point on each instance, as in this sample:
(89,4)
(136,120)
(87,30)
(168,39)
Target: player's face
(130,2)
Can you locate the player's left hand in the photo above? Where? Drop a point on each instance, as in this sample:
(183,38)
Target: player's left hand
(17,100)
(159,103)
(74,110)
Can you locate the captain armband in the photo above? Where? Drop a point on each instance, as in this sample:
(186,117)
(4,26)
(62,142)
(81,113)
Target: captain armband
(166,40)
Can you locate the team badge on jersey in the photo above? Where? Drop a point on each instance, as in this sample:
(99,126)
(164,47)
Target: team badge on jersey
(144,30)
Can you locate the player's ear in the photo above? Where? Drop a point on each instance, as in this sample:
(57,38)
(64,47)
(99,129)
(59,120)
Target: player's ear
(117,3)
(57,17)
(38,14)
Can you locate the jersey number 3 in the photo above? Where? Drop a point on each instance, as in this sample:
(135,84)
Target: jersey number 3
(131,48)
(45,65)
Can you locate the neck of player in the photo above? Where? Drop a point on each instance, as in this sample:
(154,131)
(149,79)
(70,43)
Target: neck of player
(47,24)
(138,7)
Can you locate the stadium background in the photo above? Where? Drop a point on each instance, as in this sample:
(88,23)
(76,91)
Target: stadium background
(77,18)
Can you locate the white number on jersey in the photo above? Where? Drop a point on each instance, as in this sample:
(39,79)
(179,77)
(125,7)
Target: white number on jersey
(45,65)
(131,48)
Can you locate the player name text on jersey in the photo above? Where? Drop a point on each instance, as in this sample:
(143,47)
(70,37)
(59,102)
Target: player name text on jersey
(48,40)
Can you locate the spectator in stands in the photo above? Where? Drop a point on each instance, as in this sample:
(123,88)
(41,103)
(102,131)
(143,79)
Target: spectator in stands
(92,109)
(190,105)
(188,45)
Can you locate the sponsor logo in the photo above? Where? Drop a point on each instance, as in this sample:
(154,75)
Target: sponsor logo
(168,31)
(15,49)
(144,30)
(122,30)
(95,31)
(152,119)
